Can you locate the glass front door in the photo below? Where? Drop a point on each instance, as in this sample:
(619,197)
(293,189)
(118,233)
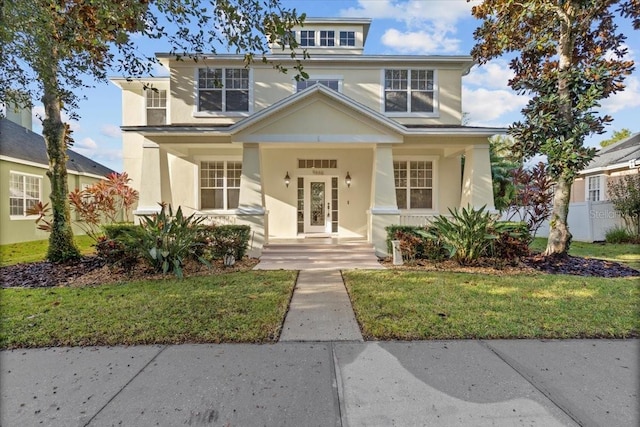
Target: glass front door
(318,205)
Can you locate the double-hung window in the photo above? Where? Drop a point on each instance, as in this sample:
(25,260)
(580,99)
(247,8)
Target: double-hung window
(594,188)
(24,192)
(307,38)
(409,91)
(156,107)
(223,89)
(414,183)
(327,38)
(347,38)
(220,184)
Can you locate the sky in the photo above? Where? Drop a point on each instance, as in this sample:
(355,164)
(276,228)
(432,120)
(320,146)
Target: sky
(415,27)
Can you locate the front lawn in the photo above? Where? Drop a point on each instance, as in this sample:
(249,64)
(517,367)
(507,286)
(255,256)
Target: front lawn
(15,253)
(414,305)
(628,254)
(234,307)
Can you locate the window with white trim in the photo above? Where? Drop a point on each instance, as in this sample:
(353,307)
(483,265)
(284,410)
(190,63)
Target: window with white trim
(220,184)
(330,83)
(307,38)
(594,188)
(24,192)
(414,183)
(347,38)
(156,107)
(327,38)
(409,91)
(223,89)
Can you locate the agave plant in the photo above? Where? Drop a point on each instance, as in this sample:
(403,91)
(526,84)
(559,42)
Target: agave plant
(466,235)
(168,240)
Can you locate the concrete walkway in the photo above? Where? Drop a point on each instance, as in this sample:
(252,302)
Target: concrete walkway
(320,310)
(435,383)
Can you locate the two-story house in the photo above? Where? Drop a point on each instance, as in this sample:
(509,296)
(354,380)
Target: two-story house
(367,141)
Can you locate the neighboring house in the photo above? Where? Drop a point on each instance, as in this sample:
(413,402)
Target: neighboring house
(24,181)
(367,141)
(591,214)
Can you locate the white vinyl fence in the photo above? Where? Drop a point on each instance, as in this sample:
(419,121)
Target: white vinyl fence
(588,221)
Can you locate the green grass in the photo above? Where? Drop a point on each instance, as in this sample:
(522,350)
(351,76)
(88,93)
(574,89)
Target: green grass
(16,253)
(234,307)
(628,254)
(424,305)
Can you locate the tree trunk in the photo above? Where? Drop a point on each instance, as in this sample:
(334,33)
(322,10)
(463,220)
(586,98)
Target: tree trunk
(61,244)
(559,235)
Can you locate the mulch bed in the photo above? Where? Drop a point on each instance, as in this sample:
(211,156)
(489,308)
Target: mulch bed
(92,271)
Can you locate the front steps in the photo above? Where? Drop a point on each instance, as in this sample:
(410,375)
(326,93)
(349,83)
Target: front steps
(309,255)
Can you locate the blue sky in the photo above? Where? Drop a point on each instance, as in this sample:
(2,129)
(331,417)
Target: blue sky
(399,27)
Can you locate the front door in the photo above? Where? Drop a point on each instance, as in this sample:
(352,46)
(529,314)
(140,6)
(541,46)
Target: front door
(317,212)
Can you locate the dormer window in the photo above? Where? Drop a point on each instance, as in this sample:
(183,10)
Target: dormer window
(307,38)
(327,38)
(347,38)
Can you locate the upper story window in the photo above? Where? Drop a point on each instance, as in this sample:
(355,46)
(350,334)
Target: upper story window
(594,188)
(409,91)
(307,38)
(220,184)
(223,89)
(24,192)
(330,83)
(327,38)
(347,38)
(156,107)
(414,183)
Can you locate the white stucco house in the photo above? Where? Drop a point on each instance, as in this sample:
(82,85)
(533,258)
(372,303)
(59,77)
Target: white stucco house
(365,142)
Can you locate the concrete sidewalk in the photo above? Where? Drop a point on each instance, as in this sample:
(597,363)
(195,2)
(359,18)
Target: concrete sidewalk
(441,383)
(320,310)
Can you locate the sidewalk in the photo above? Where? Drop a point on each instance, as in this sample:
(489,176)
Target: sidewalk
(440,383)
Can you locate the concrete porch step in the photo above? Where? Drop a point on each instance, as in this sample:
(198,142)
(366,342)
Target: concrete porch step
(318,256)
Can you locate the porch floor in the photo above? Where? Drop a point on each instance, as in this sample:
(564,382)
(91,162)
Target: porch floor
(318,253)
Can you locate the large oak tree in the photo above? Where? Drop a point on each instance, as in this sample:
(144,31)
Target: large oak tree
(51,49)
(568,55)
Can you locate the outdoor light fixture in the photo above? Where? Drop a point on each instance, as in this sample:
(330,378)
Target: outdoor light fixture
(347,180)
(287,179)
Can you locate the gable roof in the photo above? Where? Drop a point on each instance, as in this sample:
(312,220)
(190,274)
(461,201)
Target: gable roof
(19,143)
(616,155)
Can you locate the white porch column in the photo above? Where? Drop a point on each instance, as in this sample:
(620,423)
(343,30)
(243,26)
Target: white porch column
(251,207)
(477,186)
(150,181)
(384,207)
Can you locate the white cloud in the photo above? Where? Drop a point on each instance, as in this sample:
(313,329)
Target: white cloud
(420,42)
(629,98)
(37,114)
(112,131)
(491,107)
(493,75)
(428,25)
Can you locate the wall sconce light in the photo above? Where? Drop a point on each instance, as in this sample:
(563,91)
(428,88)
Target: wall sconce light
(347,180)
(287,179)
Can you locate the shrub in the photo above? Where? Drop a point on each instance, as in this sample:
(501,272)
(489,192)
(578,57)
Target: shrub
(221,240)
(119,247)
(620,235)
(166,241)
(624,193)
(424,249)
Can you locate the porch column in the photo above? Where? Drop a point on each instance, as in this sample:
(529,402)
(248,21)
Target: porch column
(150,193)
(384,207)
(477,186)
(251,207)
